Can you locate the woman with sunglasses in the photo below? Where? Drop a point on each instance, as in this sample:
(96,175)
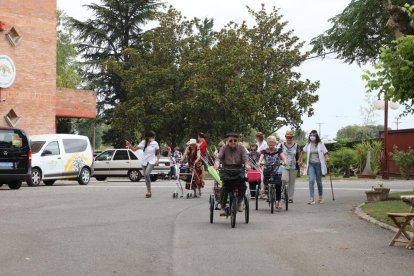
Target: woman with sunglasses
(317,155)
(253,155)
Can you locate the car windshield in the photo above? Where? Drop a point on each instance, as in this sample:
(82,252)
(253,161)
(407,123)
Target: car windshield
(12,138)
(36,145)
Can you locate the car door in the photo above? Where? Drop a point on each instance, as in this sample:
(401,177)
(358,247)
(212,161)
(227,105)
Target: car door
(120,163)
(102,163)
(51,161)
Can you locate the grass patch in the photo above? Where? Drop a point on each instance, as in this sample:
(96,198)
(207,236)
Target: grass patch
(379,210)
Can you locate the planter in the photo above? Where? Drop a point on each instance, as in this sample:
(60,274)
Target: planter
(384,192)
(373,196)
(367,176)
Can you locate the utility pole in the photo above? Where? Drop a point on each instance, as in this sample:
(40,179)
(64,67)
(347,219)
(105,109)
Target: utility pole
(397,122)
(319,131)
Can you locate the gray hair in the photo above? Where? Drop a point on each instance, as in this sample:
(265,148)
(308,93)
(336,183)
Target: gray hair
(271,139)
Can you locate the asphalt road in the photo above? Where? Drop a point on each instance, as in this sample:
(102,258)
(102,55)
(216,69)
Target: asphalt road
(109,228)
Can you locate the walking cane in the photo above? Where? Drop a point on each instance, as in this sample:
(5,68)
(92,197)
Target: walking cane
(330,177)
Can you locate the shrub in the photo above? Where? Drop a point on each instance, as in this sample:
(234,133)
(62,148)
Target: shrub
(404,159)
(343,159)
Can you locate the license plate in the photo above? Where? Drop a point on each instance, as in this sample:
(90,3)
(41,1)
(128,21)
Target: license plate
(6,164)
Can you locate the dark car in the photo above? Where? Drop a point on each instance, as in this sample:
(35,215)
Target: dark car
(15,157)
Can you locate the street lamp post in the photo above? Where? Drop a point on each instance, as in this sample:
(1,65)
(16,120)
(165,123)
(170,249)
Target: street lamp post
(384,105)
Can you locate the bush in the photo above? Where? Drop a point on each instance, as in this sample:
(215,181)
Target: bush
(404,159)
(343,159)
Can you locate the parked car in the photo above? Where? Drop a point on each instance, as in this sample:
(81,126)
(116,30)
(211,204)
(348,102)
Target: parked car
(15,157)
(60,156)
(124,162)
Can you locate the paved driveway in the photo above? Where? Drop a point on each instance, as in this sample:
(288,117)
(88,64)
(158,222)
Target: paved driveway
(109,228)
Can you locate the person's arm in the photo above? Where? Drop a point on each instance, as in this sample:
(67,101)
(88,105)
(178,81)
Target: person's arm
(261,159)
(244,158)
(283,157)
(131,147)
(157,153)
(184,154)
(301,155)
(220,157)
(198,155)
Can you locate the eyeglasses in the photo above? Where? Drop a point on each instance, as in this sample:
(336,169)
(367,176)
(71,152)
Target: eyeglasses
(253,150)
(232,140)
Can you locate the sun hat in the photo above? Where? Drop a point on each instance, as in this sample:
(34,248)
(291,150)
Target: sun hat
(289,133)
(192,141)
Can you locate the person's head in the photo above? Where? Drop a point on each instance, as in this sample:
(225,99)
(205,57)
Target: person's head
(314,137)
(232,139)
(253,148)
(271,142)
(177,148)
(201,135)
(149,136)
(221,144)
(289,136)
(259,137)
(192,143)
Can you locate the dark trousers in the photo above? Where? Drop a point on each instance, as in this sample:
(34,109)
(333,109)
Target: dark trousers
(277,180)
(229,186)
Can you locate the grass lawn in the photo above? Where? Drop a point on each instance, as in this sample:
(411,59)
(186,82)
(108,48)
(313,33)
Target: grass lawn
(379,210)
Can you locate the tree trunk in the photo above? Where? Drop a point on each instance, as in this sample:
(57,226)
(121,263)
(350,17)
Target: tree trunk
(400,22)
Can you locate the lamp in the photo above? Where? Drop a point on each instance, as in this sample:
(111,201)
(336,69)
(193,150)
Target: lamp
(383,105)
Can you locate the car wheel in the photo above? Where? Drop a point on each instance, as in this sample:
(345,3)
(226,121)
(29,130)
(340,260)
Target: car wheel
(153,177)
(49,182)
(100,178)
(15,185)
(134,175)
(36,178)
(84,176)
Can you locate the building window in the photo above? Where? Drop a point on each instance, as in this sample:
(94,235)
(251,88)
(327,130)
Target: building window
(11,118)
(13,37)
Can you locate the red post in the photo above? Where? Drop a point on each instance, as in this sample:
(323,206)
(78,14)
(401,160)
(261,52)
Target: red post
(385,174)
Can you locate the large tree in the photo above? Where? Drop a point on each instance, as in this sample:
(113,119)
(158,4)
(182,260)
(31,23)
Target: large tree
(360,31)
(189,79)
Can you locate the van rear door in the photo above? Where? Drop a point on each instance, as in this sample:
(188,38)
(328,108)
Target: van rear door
(14,152)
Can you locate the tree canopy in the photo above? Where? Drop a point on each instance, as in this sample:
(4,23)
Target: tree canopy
(358,133)
(188,78)
(359,32)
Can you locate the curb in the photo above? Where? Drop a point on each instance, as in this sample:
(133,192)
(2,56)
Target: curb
(360,213)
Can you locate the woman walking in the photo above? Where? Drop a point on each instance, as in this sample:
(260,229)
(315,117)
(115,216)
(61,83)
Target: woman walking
(292,150)
(317,155)
(151,157)
(192,152)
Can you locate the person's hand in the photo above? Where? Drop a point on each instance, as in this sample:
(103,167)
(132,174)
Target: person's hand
(157,163)
(127,143)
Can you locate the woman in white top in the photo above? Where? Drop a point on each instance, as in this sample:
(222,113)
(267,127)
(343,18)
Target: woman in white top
(260,142)
(151,157)
(316,164)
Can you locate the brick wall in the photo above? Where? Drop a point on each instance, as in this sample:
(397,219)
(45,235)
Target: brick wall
(71,103)
(33,94)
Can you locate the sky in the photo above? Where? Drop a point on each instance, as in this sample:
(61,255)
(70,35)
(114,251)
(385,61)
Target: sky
(341,92)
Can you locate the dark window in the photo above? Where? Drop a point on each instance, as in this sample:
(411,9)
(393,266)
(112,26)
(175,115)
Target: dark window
(121,155)
(51,149)
(12,138)
(132,156)
(75,145)
(105,156)
(36,145)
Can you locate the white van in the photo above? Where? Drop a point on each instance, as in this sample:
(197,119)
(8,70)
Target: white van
(60,156)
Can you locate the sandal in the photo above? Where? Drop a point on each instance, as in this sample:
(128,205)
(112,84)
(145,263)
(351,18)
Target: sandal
(148,195)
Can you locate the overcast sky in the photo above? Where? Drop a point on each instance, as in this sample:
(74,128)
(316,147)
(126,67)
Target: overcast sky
(341,92)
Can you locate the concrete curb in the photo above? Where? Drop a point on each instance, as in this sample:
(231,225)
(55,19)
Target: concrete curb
(360,213)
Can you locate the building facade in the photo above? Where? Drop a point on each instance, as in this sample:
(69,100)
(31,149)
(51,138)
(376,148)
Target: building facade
(28,43)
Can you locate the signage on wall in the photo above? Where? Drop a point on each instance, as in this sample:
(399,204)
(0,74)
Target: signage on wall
(7,71)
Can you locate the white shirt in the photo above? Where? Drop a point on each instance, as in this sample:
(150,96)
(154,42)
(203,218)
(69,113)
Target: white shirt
(262,146)
(149,155)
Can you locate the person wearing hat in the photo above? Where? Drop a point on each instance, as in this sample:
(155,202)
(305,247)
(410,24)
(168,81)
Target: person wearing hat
(291,150)
(192,152)
(232,157)
(150,158)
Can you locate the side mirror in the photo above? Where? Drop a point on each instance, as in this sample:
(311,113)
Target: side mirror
(46,152)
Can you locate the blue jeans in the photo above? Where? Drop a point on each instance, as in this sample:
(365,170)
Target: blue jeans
(315,171)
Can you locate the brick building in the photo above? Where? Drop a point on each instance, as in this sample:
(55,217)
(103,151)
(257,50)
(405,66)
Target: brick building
(28,41)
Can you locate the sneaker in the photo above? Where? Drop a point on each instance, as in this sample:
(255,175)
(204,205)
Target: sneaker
(311,201)
(321,201)
(290,200)
(240,207)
